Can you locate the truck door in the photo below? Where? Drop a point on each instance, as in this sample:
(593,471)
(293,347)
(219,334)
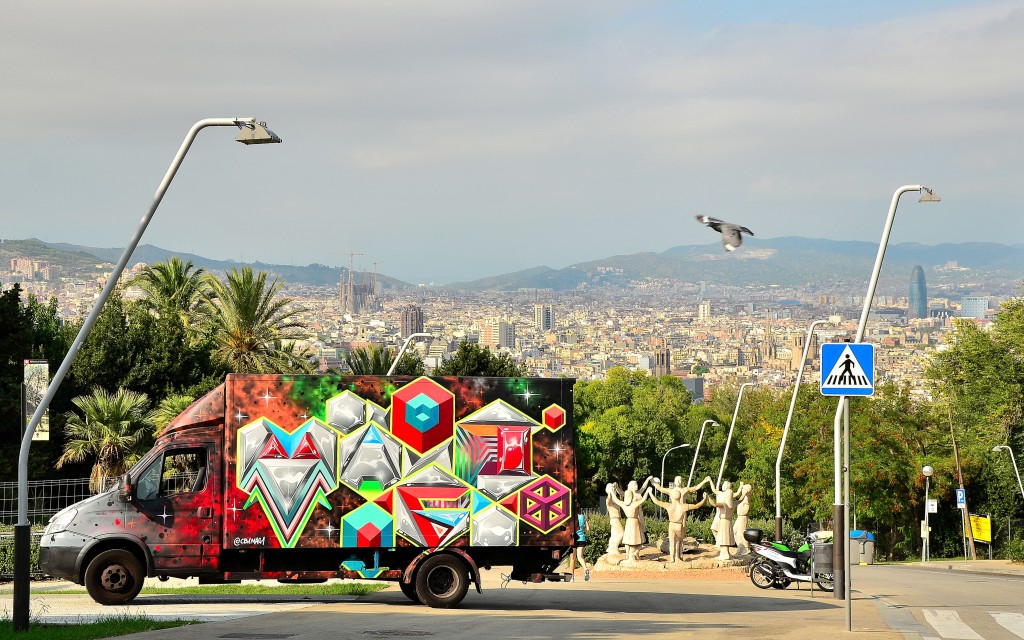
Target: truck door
(175,498)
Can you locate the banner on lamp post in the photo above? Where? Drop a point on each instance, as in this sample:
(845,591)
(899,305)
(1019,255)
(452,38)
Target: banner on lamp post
(37,379)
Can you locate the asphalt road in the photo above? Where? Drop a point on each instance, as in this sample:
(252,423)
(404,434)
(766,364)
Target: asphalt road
(938,602)
(605,607)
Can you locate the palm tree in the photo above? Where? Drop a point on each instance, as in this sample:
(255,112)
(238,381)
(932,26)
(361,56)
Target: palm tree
(375,360)
(253,330)
(113,428)
(176,286)
(169,409)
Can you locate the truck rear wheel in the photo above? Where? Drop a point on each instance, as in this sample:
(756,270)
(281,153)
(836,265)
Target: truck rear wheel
(114,577)
(442,581)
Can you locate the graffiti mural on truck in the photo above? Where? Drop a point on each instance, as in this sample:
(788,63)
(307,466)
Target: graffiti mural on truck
(365,462)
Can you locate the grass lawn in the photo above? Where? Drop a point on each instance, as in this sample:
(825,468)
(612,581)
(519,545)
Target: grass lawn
(113,626)
(336,589)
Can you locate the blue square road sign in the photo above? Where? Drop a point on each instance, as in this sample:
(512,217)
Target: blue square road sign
(847,369)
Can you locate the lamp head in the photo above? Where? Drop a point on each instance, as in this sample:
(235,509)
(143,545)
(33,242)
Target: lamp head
(1000,447)
(253,132)
(927,471)
(927,195)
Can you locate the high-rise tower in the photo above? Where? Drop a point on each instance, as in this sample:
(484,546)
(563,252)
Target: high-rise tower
(918,307)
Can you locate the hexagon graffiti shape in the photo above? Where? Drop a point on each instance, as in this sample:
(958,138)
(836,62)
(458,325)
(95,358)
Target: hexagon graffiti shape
(423,414)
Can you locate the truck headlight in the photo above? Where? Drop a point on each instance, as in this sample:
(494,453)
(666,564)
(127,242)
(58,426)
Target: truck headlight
(60,521)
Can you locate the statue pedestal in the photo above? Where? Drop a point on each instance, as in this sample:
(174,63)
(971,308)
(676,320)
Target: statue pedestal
(653,559)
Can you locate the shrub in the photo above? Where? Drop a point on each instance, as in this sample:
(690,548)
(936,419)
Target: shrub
(7,552)
(1013,551)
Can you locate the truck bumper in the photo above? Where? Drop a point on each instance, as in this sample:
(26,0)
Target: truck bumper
(58,555)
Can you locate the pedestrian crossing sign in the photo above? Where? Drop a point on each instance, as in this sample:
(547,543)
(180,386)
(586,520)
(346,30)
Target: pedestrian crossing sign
(847,369)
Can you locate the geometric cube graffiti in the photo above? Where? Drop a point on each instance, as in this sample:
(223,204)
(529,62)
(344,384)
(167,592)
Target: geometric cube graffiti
(554,417)
(544,504)
(493,527)
(368,526)
(422,414)
(346,412)
(431,508)
(288,473)
(370,460)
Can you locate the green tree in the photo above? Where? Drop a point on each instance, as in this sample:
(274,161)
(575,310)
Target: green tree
(473,360)
(625,423)
(253,329)
(376,360)
(178,287)
(168,409)
(112,429)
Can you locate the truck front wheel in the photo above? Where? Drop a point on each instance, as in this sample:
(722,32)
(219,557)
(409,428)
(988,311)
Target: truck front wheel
(442,581)
(114,577)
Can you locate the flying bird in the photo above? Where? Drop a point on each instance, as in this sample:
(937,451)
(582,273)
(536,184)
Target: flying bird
(732,234)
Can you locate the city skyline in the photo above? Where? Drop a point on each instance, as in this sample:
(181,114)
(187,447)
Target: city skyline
(430,135)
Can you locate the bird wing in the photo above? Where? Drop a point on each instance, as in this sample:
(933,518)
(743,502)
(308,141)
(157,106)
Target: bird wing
(746,231)
(731,237)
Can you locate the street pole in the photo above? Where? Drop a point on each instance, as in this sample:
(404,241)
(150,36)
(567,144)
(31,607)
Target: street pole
(693,466)
(839,507)
(1013,459)
(253,132)
(785,430)
(405,345)
(661,480)
(728,440)
(927,526)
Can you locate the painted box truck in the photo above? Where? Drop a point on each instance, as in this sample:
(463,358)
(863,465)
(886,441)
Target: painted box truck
(422,481)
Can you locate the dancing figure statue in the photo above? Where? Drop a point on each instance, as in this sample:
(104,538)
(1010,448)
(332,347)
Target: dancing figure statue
(725,502)
(633,536)
(742,508)
(614,517)
(677,508)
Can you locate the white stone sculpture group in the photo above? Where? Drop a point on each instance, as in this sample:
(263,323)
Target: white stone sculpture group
(731,508)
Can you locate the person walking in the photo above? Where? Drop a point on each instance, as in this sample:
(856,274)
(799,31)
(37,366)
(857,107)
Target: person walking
(582,528)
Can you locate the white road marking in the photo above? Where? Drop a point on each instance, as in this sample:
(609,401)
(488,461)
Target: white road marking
(947,623)
(1012,622)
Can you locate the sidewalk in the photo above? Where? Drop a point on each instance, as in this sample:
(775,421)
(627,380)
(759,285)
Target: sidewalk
(995,567)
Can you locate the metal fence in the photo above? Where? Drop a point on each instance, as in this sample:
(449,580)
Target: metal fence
(45,498)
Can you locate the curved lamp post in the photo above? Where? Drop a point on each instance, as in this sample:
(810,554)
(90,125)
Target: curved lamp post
(405,345)
(785,430)
(678,446)
(689,481)
(728,440)
(252,132)
(1013,459)
(840,514)
(927,471)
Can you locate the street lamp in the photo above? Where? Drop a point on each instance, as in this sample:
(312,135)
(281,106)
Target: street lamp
(840,514)
(405,345)
(252,132)
(1013,459)
(678,446)
(785,430)
(927,533)
(728,440)
(661,480)
(689,481)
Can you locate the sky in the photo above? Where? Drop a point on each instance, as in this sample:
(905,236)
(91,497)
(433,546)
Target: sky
(458,139)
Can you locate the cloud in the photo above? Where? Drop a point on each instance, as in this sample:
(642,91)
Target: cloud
(546,114)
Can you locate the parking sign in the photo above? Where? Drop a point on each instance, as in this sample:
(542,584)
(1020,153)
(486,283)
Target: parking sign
(961,498)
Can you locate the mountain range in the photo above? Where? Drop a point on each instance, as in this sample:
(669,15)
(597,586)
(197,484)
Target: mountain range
(787,261)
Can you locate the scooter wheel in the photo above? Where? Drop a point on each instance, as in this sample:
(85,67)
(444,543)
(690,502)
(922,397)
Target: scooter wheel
(762,574)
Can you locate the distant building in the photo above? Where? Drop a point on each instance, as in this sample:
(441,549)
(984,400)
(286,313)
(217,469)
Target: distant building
(543,317)
(973,307)
(918,307)
(412,320)
(498,332)
(662,365)
(704,310)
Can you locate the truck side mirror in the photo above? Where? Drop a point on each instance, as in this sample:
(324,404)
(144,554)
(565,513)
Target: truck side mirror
(124,488)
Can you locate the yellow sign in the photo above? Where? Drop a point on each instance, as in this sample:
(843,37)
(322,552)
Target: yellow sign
(981,527)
